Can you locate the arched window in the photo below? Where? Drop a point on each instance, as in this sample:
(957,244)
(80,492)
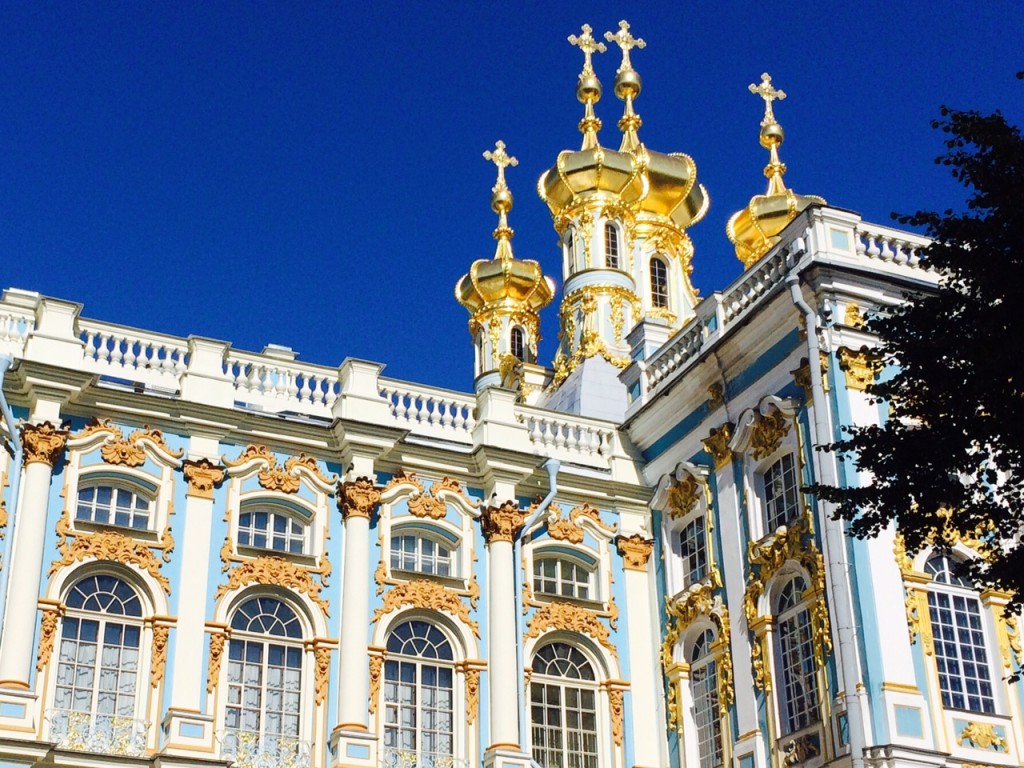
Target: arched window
(517,343)
(421,554)
(113,505)
(419,701)
(563,708)
(96,696)
(798,689)
(693,549)
(265,527)
(961,654)
(561,577)
(611,245)
(704,687)
(264,693)
(781,501)
(659,283)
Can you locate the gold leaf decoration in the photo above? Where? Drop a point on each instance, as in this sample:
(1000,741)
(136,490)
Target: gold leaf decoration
(278,572)
(762,677)
(159,663)
(590,512)
(472,694)
(322,655)
(217,640)
(860,366)
(427,505)
(358,498)
(251,453)
(202,476)
(767,434)
(570,618)
(429,595)
(42,443)
(106,545)
(682,496)
(635,551)
(276,478)
(120,451)
(47,632)
(717,444)
(376,663)
(502,523)
(982,736)
(615,704)
(310,463)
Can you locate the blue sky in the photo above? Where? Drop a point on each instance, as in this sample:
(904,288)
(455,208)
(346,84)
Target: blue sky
(310,174)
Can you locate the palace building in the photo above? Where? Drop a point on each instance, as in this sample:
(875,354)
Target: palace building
(216,557)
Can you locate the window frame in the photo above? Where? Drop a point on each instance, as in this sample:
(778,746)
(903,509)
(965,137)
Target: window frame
(787,674)
(771,523)
(117,483)
(707,660)
(612,246)
(660,295)
(578,561)
(517,332)
(423,532)
(273,507)
(591,686)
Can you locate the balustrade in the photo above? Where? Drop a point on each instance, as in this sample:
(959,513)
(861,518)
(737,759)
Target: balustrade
(562,436)
(431,411)
(99,733)
(251,749)
(278,385)
(395,757)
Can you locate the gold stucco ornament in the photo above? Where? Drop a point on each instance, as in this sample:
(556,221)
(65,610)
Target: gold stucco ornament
(756,229)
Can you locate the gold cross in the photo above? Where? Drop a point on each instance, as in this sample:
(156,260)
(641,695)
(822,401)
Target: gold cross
(502,159)
(626,42)
(586,43)
(769,94)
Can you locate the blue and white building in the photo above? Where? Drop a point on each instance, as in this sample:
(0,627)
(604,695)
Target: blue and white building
(217,557)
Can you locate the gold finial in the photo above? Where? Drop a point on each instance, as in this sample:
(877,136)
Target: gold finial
(626,42)
(769,94)
(586,43)
(501,198)
(627,86)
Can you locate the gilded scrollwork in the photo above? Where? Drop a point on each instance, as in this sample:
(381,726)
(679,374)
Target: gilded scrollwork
(107,545)
(1013,637)
(570,618)
(615,705)
(860,366)
(277,478)
(759,664)
(217,640)
(42,443)
(47,633)
(358,498)
(982,736)
(768,432)
(202,476)
(674,710)
(503,522)
(801,749)
(683,495)
(276,571)
(376,665)
(429,595)
(130,451)
(161,633)
(306,463)
(635,551)
(322,656)
(717,444)
(802,375)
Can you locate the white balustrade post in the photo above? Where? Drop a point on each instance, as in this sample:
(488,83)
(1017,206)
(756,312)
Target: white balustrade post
(43,445)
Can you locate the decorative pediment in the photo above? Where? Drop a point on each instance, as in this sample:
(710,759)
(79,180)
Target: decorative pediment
(131,451)
(428,595)
(680,491)
(275,477)
(570,618)
(274,571)
(760,431)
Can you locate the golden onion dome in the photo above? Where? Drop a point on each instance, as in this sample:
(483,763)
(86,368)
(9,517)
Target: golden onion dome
(504,281)
(757,228)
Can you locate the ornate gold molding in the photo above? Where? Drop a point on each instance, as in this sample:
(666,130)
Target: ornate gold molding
(567,528)
(472,676)
(502,523)
(202,476)
(42,443)
(570,618)
(716,396)
(161,634)
(717,444)
(635,551)
(801,749)
(429,595)
(130,452)
(615,704)
(322,657)
(683,496)
(861,367)
(759,663)
(358,498)
(853,317)
(47,633)
(982,736)
(274,571)
(376,666)
(277,478)
(112,546)
(802,375)
(767,434)
(217,640)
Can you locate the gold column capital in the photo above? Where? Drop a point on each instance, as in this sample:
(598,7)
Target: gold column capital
(43,443)
(202,476)
(635,551)
(860,366)
(358,498)
(502,523)
(717,444)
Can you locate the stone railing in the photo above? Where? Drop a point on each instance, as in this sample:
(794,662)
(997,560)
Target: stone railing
(15,327)
(566,437)
(429,411)
(250,749)
(92,732)
(133,355)
(282,385)
(394,757)
(873,241)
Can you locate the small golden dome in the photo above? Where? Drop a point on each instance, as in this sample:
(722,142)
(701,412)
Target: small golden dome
(756,229)
(504,281)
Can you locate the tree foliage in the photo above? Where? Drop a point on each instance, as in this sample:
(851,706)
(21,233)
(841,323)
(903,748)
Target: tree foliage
(948,464)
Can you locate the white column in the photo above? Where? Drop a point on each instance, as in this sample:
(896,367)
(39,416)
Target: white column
(642,620)
(188,685)
(500,526)
(359,498)
(43,444)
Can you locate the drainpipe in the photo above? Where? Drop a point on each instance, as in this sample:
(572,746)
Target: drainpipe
(835,544)
(552,466)
(6,361)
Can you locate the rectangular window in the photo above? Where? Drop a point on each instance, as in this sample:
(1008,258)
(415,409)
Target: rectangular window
(420,554)
(561,577)
(781,500)
(960,655)
(704,682)
(693,548)
(112,505)
(796,647)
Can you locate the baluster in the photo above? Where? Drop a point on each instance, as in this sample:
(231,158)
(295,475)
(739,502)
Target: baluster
(872,250)
(887,253)
(293,387)
(915,257)
(470,418)
(331,387)
(252,379)
(858,242)
(901,255)
(458,418)
(446,413)
(398,403)
(305,393)
(559,434)
(90,345)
